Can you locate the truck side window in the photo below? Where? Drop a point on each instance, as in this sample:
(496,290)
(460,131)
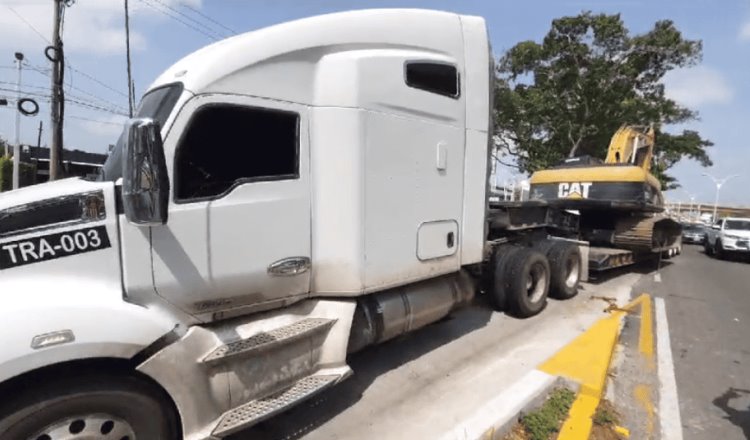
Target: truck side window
(433,77)
(225,145)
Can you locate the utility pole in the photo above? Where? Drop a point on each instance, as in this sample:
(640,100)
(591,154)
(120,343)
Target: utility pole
(57,107)
(718,183)
(17,140)
(39,137)
(131,92)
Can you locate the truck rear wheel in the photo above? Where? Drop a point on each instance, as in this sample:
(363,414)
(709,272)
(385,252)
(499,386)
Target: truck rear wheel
(565,269)
(500,282)
(89,407)
(528,278)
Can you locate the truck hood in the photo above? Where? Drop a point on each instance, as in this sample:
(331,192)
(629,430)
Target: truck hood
(49,190)
(59,232)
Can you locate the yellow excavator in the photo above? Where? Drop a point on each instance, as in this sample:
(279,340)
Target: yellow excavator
(619,201)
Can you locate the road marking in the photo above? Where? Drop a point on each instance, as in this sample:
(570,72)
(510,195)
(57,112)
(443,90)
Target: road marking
(646,335)
(586,360)
(669,407)
(642,394)
(657,277)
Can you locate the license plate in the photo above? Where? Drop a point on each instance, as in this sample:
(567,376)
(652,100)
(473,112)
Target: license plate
(52,246)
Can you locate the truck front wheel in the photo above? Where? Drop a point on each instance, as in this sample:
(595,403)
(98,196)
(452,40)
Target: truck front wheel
(88,407)
(528,277)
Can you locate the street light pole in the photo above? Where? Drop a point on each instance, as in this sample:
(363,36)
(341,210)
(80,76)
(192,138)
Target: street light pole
(692,204)
(718,183)
(17,127)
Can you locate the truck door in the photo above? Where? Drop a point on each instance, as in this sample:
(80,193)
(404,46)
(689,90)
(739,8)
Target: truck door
(238,235)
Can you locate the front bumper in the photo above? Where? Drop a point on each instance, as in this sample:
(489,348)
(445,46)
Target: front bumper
(693,238)
(740,245)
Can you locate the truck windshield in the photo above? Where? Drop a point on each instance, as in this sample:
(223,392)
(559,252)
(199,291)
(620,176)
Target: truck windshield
(157,105)
(738,225)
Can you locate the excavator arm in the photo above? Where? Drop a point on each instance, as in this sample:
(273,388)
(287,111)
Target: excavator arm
(632,145)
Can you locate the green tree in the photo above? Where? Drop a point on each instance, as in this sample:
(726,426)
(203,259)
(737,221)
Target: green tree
(567,95)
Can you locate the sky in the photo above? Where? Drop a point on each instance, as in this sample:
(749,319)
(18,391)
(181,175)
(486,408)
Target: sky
(163,31)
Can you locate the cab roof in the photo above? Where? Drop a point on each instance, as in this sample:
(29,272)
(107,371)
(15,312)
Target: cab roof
(305,41)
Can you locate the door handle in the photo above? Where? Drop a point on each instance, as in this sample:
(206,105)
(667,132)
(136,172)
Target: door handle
(289,266)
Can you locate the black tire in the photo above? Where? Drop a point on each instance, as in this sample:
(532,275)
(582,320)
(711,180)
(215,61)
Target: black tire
(707,248)
(123,407)
(719,250)
(528,276)
(565,269)
(499,284)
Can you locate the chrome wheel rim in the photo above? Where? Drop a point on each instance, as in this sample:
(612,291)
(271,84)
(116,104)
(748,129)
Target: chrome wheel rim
(573,270)
(87,427)
(536,282)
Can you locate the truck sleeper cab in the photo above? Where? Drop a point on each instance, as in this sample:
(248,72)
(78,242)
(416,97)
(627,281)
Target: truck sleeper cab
(283,198)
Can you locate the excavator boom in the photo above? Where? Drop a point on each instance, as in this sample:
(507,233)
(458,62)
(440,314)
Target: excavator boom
(632,145)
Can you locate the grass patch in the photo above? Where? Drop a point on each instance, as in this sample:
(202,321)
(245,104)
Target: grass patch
(544,422)
(605,416)
(606,419)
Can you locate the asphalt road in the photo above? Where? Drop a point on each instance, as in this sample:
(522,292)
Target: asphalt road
(708,310)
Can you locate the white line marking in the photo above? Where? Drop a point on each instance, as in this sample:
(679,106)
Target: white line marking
(669,406)
(657,277)
(502,408)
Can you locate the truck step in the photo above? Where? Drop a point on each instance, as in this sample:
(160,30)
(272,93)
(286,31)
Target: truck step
(258,410)
(266,340)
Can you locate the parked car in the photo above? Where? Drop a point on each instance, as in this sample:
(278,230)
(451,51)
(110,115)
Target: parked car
(693,233)
(728,235)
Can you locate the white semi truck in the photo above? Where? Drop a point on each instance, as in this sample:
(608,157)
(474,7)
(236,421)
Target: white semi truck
(283,198)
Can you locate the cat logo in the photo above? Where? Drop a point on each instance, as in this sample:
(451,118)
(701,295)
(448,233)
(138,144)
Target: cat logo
(575,190)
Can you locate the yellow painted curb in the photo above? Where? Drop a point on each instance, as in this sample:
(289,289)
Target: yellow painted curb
(586,360)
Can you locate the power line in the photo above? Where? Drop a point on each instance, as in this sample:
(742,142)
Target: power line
(96,97)
(81,118)
(76,100)
(97,81)
(29,24)
(185,5)
(20,17)
(178,19)
(199,23)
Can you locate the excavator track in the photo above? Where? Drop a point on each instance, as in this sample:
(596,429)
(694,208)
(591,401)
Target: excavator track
(646,233)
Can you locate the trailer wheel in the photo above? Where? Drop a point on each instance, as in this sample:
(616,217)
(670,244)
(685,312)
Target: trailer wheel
(90,406)
(528,277)
(565,269)
(500,282)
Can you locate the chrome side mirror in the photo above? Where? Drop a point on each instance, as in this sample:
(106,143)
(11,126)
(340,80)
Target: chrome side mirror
(145,186)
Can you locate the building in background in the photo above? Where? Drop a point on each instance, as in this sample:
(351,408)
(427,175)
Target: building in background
(75,162)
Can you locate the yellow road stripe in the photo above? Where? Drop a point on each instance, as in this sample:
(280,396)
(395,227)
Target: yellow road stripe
(622,431)
(586,360)
(646,335)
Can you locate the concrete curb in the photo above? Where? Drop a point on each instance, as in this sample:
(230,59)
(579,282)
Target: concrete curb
(498,416)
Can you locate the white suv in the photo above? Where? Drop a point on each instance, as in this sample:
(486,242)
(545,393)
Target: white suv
(728,235)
